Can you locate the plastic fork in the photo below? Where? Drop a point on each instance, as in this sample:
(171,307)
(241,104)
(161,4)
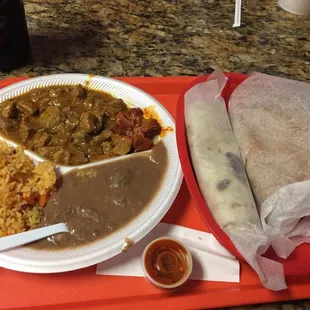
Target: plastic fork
(13,241)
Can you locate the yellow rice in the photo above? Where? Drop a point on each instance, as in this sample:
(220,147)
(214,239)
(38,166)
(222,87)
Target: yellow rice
(19,178)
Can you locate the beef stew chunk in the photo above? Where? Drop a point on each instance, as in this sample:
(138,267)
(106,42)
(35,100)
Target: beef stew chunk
(9,109)
(150,127)
(122,145)
(128,122)
(88,122)
(132,123)
(73,125)
(27,107)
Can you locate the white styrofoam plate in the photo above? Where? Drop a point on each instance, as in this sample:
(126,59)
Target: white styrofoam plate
(47,261)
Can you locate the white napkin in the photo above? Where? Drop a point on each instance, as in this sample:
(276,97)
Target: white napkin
(210,260)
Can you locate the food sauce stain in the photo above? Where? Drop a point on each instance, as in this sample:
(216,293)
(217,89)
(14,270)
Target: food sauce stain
(150,112)
(128,243)
(87,82)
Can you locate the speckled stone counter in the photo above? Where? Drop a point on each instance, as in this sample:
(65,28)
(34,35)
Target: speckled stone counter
(162,38)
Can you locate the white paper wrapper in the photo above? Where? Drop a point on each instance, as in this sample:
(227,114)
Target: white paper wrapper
(281,214)
(222,179)
(271,120)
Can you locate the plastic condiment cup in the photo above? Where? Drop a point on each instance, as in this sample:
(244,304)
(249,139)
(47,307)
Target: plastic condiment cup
(167,242)
(298,7)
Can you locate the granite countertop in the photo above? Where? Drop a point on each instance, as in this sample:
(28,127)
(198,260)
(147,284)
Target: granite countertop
(164,38)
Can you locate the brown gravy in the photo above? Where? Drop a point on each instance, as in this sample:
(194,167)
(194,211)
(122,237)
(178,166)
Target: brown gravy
(96,201)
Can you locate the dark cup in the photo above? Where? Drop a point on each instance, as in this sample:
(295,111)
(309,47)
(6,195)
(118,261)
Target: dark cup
(15,49)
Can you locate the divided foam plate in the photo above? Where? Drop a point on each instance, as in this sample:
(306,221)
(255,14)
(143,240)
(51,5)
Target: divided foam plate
(44,261)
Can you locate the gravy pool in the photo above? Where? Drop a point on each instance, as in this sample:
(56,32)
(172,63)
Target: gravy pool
(97,201)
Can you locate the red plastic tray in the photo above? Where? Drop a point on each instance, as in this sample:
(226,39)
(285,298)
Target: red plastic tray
(84,289)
